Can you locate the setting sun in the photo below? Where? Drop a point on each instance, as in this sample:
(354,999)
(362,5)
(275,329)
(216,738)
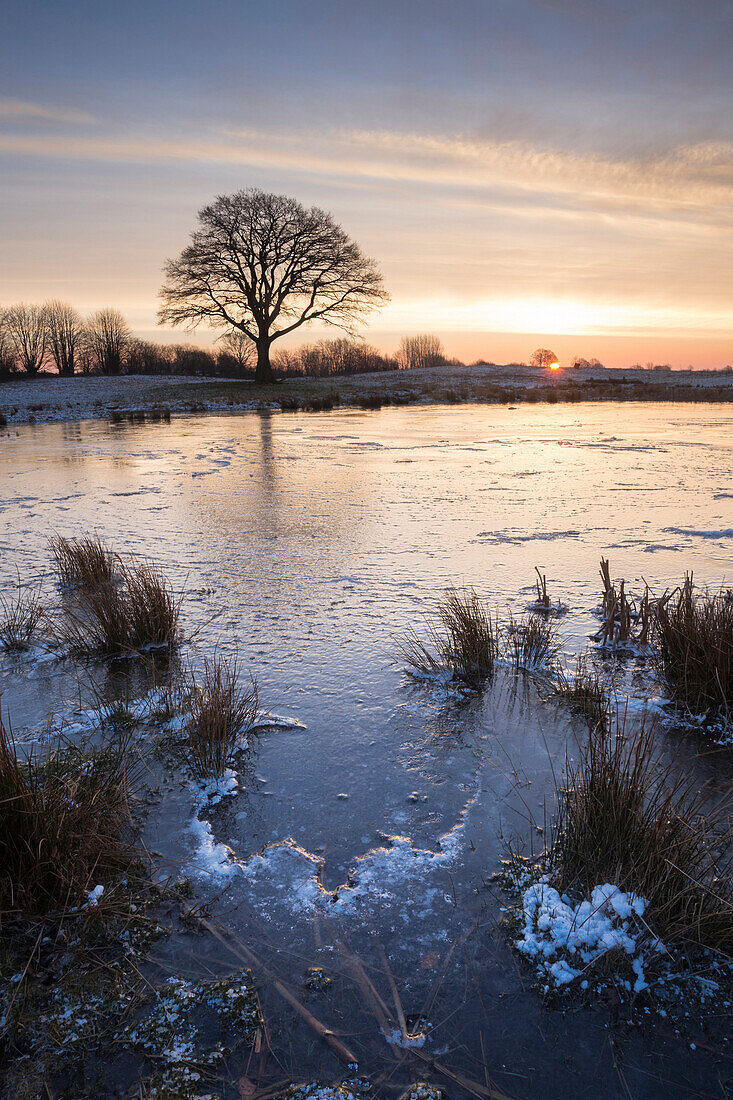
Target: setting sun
(554,366)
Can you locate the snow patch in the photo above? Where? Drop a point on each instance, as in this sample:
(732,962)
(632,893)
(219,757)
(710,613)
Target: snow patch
(563,940)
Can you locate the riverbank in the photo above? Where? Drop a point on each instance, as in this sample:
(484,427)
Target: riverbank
(51,398)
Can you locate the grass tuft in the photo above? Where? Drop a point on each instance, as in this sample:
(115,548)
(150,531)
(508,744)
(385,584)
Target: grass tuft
(585,693)
(19,618)
(694,647)
(64,825)
(221,710)
(117,620)
(628,818)
(84,562)
(532,641)
(463,640)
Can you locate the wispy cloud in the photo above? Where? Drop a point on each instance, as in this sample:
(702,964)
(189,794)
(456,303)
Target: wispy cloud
(21,110)
(692,181)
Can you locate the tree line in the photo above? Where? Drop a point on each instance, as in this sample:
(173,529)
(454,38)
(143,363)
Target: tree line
(55,336)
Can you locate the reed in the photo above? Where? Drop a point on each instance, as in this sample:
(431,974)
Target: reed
(693,637)
(629,818)
(221,711)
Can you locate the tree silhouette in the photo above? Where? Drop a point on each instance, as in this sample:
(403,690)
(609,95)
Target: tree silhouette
(542,357)
(265,265)
(26,330)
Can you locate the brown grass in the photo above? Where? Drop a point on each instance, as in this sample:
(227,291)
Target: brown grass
(585,693)
(84,562)
(221,710)
(694,647)
(64,825)
(627,818)
(117,620)
(19,618)
(463,640)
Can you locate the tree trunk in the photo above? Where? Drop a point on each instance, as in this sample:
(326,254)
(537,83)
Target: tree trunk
(263,374)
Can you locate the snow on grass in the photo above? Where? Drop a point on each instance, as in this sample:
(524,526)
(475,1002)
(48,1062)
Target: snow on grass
(564,940)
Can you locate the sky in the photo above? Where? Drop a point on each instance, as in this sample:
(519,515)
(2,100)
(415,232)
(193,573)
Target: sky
(525,172)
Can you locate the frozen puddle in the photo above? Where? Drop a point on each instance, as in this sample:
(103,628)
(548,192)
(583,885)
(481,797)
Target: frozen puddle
(286,880)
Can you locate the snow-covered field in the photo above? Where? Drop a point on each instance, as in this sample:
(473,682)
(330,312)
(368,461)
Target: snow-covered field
(84,398)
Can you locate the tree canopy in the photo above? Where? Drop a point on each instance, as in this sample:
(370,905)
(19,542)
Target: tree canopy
(265,265)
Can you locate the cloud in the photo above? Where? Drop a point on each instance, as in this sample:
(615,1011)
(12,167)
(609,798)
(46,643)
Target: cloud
(691,182)
(21,110)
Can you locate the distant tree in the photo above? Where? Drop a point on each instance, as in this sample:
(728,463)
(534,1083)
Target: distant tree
(109,337)
(7,351)
(420,351)
(65,332)
(265,265)
(188,359)
(238,345)
(25,327)
(542,357)
(145,357)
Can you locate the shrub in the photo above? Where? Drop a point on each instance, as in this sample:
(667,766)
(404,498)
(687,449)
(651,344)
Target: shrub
(693,637)
(64,824)
(221,711)
(84,562)
(626,817)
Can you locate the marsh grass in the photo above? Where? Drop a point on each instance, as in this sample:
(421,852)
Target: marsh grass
(120,619)
(85,562)
(693,638)
(629,818)
(221,711)
(64,824)
(463,639)
(19,619)
(531,642)
(584,692)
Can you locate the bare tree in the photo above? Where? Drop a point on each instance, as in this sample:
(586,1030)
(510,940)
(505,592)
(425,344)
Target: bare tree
(542,357)
(108,335)
(265,265)
(64,331)
(239,346)
(7,351)
(26,330)
(420,351)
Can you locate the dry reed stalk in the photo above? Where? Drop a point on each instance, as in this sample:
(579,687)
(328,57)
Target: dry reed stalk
(543,600)
(585,693)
